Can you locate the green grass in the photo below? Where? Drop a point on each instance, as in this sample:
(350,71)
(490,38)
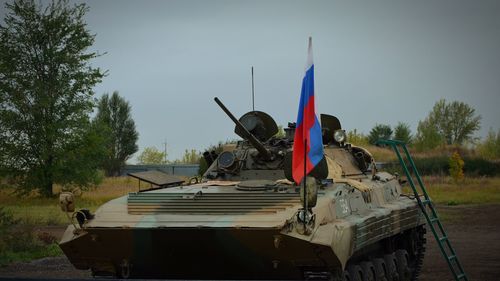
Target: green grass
(37,211)
(20,216)
(51,250)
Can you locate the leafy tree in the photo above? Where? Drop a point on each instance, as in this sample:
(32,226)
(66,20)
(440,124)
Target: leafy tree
(281,132)
(151,155)
(191,157)
(380,131)
(456,122)
(46,81)
(428,136)
(402,132)
(490,147)
(114,112)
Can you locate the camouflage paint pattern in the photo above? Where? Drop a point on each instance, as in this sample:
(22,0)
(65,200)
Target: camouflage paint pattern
(198,229)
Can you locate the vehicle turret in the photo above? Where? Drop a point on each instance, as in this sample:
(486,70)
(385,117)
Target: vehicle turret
(260,155)
(254,121)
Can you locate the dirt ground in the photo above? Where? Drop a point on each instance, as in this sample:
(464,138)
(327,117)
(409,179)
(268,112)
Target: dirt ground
(474,232)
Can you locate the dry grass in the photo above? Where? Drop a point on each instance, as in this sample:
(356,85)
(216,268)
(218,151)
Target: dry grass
(382,154)
(445,150)
(34,210)
(443,190)
(386,154)
(112,188)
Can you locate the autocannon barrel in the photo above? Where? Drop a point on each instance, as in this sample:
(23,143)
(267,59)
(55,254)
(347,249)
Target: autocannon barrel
(248,136)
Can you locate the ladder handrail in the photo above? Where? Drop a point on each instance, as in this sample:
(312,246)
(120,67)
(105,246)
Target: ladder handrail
(460,275)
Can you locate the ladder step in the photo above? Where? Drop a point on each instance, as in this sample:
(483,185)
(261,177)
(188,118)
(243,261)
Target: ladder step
(444,238)
(454,257)
(460,276)
(426,202)
(434,219)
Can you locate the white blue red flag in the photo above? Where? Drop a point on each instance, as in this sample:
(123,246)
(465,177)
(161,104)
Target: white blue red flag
(308,130)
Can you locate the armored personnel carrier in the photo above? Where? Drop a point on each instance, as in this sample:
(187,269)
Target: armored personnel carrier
(246,218)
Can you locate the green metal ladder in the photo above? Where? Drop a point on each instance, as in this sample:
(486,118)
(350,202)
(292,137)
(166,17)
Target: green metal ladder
(428,210)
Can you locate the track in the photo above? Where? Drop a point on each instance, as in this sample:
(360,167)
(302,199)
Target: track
(402,264)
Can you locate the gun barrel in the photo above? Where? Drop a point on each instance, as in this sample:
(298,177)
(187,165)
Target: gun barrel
(248,136)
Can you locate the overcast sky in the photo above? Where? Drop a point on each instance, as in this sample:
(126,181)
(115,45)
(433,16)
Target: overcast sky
(375,61)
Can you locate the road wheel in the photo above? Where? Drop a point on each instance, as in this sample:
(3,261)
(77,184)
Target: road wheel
(417,261)
(390,266)
(380,271)
(368,271)
(355,273)
(346,276)
(404,270)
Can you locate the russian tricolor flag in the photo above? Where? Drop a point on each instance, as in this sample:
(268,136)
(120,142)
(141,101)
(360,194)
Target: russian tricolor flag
(308,130)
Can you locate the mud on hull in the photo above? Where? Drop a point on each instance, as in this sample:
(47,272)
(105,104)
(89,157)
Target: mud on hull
(208,253)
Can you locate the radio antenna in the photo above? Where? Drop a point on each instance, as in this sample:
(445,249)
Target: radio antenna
(253,94)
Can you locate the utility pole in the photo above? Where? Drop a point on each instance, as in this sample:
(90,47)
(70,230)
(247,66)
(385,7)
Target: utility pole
(165,151)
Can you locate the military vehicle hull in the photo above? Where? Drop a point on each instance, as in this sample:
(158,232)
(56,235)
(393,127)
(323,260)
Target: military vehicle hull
(173,233)
(247,218)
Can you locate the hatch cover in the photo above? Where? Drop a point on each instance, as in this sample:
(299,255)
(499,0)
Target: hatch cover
(157,178)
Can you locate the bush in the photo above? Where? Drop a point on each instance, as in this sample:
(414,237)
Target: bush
(456,167)
(473,166)
(380,131)
(481,167)
(402,133)
(432,166)
(7,221)
(356,138)
(19,242)
(439,166)
(490,147)
(427,137)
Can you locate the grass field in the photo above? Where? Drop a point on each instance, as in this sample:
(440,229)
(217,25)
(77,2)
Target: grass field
(20,217)
(443,190)
(33,210)
(386,154)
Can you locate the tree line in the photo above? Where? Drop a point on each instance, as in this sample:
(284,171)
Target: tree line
(152,155)
(448,123)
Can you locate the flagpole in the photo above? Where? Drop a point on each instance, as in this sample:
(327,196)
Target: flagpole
(305,189)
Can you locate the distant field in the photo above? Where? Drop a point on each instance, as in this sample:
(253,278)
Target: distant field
(386,154)
(46,211)
(443,190)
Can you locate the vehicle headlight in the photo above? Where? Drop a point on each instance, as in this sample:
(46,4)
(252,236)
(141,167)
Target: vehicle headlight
(339,136)
(226,159)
